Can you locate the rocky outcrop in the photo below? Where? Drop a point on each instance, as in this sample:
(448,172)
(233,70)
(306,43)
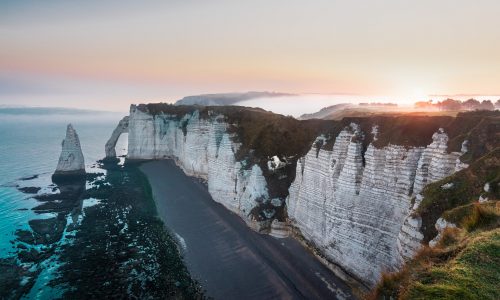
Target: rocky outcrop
(435,162)
(122,127)
(71,162)
(409,238)
(355,206)
(441,225)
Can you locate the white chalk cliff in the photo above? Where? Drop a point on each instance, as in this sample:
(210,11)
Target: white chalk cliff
(71,160)
(202,147)
(354,205)
(357,215)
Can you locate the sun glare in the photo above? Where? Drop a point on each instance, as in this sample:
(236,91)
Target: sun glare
(419,94)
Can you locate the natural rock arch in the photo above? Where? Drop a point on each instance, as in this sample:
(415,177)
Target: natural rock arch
(122,127)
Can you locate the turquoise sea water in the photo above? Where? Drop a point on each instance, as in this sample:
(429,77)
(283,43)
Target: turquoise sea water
(92,238)
(30,145)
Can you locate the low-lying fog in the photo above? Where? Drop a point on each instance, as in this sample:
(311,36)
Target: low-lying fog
(297,105)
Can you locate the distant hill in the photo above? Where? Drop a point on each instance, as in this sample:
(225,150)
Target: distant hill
(225,98)
(325,112)
(346,110)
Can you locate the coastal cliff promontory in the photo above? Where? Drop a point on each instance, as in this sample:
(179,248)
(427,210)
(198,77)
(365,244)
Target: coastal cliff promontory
(232,148)
(351,188)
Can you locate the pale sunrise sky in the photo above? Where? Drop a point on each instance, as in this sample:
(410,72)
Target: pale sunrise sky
(108,54)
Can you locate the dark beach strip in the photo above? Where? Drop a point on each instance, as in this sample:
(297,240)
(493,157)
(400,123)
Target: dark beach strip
(229,259)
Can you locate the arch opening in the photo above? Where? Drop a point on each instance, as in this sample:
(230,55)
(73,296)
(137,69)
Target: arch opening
(115,139)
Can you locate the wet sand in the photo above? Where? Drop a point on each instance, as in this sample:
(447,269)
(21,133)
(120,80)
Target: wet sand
(229,259)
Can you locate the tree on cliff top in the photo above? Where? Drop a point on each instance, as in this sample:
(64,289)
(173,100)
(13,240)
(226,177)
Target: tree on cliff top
(450,104)
(486,105)
(471,104)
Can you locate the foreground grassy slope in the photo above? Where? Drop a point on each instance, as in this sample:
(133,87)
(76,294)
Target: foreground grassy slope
(466,262)
(463,266)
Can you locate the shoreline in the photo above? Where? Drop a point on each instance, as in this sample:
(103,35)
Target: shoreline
(228,258)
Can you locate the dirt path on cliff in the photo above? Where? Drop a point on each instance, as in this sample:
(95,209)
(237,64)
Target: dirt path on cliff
(229,259)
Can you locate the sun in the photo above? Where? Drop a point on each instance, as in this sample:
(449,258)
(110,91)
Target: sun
(419,94)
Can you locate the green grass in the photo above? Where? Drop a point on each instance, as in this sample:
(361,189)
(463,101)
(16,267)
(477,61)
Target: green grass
(473,274)
(481,217)
(468,268)
(474,216)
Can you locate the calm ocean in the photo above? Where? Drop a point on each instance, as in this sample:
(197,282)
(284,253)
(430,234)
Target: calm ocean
(30,145)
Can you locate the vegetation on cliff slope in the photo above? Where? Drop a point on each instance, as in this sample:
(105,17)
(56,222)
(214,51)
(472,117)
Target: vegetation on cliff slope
(464,265)
(467,186)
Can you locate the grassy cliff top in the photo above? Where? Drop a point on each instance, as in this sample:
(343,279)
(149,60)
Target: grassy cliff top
(272,134)
(264,132)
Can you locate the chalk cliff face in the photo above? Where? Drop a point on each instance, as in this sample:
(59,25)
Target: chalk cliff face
(355,206)
(71,161)
(202,147)
(352,193)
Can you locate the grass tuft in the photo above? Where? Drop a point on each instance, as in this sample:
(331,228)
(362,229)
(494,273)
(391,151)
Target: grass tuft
(468,268)
(482,216)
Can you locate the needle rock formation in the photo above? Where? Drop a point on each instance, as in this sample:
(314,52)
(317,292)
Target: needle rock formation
(71,162)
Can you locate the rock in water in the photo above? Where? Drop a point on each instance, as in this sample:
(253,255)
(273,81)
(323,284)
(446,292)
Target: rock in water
(71,163)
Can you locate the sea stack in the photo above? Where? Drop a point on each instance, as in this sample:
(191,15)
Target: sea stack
(71,163)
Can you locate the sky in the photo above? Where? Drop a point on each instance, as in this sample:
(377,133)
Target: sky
(108,54)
